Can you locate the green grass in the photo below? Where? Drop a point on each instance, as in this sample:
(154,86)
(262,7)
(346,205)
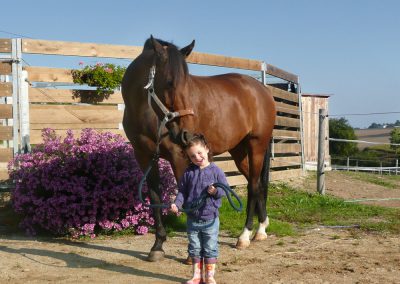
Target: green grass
(308,209)
(291,210)
(382,180)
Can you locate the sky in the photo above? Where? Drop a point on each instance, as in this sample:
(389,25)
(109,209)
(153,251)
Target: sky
(349,49)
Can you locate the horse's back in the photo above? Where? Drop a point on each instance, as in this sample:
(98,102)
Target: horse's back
(237,86)
(240,106)
(242,92)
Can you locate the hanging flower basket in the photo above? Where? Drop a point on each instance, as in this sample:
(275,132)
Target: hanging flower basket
(105,77)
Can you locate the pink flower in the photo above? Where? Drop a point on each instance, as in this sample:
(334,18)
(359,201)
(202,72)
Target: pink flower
(79,185)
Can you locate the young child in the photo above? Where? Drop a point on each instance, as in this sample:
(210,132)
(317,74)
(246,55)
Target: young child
(202,224)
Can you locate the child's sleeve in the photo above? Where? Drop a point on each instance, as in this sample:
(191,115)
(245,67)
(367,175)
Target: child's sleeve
(180,197)
(221,178)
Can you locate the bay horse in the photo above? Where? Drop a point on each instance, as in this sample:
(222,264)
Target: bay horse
(164,105)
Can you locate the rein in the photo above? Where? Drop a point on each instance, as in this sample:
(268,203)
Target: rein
(168,116)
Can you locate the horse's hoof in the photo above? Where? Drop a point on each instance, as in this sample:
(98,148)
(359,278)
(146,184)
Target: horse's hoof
(155,255)
(242,244)
(260,237)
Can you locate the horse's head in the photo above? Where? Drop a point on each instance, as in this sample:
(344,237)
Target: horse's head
(171,86)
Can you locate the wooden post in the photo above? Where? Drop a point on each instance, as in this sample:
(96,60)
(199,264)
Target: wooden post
(397,166)
(348,163)
(321,152)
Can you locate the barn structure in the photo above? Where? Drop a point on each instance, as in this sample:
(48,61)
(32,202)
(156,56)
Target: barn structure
(311,104)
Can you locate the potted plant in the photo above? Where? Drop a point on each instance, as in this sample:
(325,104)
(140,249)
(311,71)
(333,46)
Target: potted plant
(105,77)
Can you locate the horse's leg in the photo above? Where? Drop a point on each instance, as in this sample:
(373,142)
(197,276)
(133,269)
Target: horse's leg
(256,195)
(178,164)
(153,182)
(240,156)
(261,207)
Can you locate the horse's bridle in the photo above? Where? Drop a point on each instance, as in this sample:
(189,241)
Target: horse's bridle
(168,115)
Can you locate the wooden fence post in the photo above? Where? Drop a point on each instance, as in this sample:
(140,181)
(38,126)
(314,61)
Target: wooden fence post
(321,152)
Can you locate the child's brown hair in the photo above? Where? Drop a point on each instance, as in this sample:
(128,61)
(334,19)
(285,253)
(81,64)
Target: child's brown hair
(198,138)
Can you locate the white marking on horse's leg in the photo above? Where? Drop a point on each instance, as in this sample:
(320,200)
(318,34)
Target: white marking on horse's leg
(261,234)
(244,239)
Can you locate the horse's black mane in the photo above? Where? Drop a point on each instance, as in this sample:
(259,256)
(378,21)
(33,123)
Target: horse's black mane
(175,59)
(149,44)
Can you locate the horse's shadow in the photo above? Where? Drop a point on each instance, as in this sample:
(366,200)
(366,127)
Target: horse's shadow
(74,260)
(137,254)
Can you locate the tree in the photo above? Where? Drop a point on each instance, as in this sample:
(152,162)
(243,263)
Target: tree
(341,129)
(375,125)
(395,138)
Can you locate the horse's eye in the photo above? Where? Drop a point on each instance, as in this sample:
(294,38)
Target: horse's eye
(170,84)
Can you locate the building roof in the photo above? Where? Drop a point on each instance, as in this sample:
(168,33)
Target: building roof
(316,95)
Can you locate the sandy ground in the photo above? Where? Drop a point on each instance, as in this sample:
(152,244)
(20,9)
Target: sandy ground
(318,255)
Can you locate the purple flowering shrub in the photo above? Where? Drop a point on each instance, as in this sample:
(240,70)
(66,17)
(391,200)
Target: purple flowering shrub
(81,186)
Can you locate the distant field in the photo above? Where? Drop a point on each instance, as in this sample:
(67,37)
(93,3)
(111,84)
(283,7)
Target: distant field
(380,135)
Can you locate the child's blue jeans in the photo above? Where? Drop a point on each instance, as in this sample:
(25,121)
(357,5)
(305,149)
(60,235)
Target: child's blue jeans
(203,238)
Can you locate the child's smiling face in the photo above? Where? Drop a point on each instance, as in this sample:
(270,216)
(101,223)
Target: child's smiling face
(198,154)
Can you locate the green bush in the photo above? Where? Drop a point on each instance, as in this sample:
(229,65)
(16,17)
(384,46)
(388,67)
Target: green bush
(341,129)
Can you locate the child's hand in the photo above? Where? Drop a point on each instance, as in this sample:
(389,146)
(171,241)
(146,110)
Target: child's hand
(211,190)
(174,208)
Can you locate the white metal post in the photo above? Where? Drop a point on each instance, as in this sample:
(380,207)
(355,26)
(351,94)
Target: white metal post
(16,45)
(24,113)
(263,73)
(303,162)
(321,152)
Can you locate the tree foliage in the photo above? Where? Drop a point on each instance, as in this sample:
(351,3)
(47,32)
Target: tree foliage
(341,129)
(395,138)
(383,125)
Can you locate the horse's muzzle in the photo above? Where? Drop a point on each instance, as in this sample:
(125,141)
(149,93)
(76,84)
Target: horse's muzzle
(180,137)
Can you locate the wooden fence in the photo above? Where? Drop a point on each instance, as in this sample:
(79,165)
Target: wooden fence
(60,110)
(311,104)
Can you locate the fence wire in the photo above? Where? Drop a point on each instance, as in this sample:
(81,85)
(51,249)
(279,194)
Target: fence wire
(381,165)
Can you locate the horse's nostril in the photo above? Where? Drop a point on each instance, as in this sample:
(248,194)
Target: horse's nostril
(185,137)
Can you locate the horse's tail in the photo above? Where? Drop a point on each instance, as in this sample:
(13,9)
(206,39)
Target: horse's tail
(265,170)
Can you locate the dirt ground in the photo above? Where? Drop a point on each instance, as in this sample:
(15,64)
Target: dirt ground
(318,255)
(341,185)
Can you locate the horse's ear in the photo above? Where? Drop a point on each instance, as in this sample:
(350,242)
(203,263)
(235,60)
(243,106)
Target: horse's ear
(158,49)
(188,49)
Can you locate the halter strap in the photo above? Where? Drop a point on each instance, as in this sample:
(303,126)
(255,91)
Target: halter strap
(168,115)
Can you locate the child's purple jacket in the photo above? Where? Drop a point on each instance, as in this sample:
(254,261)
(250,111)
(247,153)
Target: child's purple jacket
(193,183)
